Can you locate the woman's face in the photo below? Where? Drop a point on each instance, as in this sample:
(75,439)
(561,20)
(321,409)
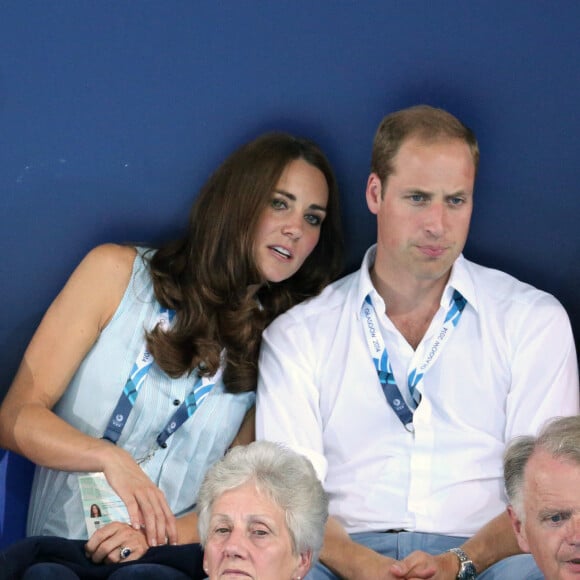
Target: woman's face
(289,227)
(248,538)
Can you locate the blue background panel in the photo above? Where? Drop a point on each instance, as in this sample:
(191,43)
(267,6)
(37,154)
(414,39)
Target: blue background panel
(113,114)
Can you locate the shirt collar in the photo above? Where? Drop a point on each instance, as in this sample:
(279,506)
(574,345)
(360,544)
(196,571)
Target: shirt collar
(459,280)
(365,284)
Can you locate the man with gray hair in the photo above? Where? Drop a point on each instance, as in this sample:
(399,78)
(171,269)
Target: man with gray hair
(542,478)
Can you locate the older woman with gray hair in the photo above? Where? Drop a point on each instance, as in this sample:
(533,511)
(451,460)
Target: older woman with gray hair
(262,513)
(542,477)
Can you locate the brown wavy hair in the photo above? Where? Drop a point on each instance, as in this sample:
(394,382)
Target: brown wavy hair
(210,277)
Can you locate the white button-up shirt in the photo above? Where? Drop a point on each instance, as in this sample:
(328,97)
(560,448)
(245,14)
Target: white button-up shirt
(509,365)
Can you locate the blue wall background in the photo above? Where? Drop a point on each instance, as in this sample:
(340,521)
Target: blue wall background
(113,113)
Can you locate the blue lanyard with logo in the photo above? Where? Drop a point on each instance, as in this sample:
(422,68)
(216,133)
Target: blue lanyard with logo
(139,371)
(383,364)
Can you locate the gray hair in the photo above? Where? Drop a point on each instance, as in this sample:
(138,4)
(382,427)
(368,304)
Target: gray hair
(560,437)
(287,478)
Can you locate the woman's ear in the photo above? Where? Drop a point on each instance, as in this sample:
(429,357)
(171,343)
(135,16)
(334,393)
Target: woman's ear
(304,564)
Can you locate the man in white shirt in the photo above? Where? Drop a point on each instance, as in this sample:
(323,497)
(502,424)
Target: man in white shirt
(403,381)
(542,478)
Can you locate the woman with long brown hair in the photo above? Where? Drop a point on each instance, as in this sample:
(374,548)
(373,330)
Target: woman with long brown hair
(143,369)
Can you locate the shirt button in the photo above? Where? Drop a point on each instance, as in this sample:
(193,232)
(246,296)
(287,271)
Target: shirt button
(176,402)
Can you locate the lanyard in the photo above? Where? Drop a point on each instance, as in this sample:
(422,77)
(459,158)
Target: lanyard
(139,371)
(382,363)
(200,391)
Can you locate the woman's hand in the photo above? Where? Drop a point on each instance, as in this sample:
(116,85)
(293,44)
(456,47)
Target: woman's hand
(145,502)
(107,544)
(66,334)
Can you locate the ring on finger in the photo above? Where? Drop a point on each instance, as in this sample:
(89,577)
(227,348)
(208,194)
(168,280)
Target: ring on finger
(124,552)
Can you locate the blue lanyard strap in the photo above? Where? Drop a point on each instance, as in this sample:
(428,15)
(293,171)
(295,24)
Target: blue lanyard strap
(200,391)
(139,372)
(383,365)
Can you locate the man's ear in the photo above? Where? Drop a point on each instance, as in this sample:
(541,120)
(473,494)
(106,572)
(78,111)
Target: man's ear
(519,529)
(374,193)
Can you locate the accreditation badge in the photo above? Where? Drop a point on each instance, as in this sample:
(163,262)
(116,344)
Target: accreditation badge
(101,505)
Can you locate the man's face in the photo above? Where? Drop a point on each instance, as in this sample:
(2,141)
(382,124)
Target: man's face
(423,212)
(551,509)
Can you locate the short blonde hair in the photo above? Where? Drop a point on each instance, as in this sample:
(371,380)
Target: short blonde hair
(424,122)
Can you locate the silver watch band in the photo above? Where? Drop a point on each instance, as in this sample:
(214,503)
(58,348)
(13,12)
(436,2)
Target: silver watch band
(466,567)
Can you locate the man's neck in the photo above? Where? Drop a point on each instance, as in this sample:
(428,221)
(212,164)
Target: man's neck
(411,303)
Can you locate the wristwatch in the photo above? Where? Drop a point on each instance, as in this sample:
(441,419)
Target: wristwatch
(467,570)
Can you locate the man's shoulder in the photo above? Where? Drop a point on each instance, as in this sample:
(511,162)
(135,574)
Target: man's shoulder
(499,287)
(334,298)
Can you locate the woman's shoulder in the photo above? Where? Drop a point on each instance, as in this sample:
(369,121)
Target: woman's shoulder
(111,262)
(105,273)
(112,258)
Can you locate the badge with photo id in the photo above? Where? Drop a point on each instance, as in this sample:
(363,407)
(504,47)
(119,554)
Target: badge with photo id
(101,505)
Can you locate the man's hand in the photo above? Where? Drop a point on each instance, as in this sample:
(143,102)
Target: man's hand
(420,565)
(106,544)
(353,561)
(374,566)
(369,565)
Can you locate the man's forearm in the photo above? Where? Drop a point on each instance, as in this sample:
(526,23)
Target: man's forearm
(350,560)
(494,542)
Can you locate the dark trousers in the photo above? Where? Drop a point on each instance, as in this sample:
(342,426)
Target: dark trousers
(44,558)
